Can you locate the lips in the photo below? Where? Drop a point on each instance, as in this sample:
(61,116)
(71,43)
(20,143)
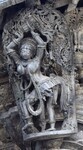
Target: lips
(25,56)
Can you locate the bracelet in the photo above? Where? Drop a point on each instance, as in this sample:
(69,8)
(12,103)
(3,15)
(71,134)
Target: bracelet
(41,46)
(10,51)
(15,41)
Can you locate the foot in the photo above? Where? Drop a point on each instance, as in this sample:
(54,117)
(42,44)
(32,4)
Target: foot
(43,126)
(51,129)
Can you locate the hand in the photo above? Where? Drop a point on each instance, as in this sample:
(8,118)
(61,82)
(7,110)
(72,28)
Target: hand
(19,35)
(25,27)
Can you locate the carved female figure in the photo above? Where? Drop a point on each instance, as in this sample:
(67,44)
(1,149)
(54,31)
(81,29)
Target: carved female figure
(45,87)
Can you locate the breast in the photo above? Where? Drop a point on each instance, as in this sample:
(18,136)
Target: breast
(20,70)
(33,66)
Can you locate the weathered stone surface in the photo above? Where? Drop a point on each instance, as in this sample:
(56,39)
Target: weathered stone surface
(60,3)
(9,146)
(52,144)
(6,3)
(6,98)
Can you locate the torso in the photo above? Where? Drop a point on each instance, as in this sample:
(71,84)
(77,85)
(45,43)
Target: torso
(28,67)
(32,68)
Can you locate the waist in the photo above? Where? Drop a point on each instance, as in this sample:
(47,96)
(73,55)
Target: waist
(48,83)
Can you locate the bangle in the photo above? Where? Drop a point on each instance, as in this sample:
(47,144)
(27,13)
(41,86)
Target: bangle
(10,51)
(15,41)
(41,46)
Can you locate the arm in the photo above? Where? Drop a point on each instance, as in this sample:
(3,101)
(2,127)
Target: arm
(41,44)
(10,48)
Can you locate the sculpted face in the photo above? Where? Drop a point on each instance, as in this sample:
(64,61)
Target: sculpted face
(26,51)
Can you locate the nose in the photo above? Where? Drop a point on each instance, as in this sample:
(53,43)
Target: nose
(25,52)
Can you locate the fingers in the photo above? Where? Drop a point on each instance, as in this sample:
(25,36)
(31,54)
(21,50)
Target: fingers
(25,27)
(19,34)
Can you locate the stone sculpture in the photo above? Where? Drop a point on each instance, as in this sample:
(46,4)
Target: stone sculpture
(38,50)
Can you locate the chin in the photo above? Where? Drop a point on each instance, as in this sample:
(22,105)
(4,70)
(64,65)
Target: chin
(25,57)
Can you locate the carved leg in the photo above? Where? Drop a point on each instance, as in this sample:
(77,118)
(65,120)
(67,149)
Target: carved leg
(29,126)
(50,107)
(26,117)
(42,119)
(55,92)
(51,113)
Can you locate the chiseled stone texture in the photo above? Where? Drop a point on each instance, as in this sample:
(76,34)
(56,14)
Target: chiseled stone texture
(6,99)
(7,3)
(8,146)
(52,144)
(5,95)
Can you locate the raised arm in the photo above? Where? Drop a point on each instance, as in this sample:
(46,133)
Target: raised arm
(41,44)
(11,48)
